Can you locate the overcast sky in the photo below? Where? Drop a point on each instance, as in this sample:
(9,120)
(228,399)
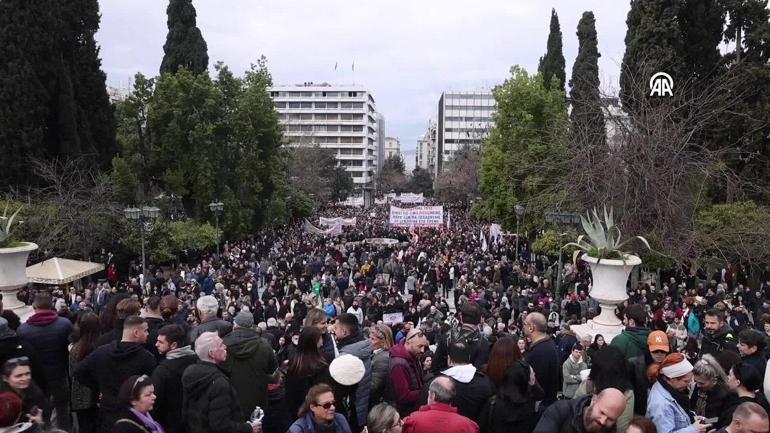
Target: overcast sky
(406,52)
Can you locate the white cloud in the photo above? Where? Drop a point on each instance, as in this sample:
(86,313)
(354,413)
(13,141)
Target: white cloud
(405,51)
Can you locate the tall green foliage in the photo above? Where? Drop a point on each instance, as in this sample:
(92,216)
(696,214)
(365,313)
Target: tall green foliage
(53,99)
(185,46)
(202,140)
(653,43)
(587,117)
(701,23)
(552,64)
(523,155)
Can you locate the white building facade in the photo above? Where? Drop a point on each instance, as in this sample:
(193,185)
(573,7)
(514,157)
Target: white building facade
(341,118)
(465,118)
(392,147)
(425,154)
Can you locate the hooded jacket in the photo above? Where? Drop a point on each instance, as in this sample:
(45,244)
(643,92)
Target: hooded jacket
(632,341)
(361,348)
(167,379)
(472,389)
(406,380)
(210,403)
(470,335)
(105,369)
(564,416)
(250,361)
(48,334)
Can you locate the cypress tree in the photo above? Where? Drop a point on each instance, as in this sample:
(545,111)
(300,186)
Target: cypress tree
(653,44)
(587,117)
(185,46)
(552,64)
(701,23)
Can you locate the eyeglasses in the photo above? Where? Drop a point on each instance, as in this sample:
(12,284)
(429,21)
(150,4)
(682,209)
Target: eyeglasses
(328,405)
(138,380)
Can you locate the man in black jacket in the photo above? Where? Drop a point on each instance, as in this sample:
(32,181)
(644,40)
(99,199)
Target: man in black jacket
(543,356)
(717,335)
(468,333)
(167,377)
(750,345)
(473,388)
(588,414)
(210,404)
(105,369)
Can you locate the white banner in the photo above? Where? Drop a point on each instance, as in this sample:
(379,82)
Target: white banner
(392,319)
(337,220)
(334,230)
(408,197)
(421,216)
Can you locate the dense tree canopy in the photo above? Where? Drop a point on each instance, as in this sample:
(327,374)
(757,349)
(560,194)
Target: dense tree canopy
(552,64)
(587,116)
(185,46)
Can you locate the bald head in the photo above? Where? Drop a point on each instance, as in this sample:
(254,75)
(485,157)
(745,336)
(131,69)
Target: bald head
(441,390)
(604,411)
(749,417)
(535,325)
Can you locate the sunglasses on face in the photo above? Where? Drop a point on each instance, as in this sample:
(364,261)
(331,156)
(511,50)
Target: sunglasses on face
(15,362)
(328,405)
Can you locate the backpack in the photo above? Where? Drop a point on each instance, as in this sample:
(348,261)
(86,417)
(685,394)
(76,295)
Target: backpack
(693,324)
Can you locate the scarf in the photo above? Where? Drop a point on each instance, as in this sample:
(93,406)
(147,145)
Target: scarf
(679,397)
(148,422)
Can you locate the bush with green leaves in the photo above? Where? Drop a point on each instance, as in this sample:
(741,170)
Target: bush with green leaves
(602,238)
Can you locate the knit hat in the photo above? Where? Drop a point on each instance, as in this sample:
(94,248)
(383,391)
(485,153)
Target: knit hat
(658,340)
(675,365)
(346,369)
(244,320)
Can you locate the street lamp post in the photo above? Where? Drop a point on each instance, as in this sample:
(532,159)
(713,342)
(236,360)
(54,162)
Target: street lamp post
(519,209)
(217,207)
(143,215)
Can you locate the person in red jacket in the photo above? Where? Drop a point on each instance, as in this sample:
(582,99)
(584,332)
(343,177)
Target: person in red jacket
(438,415)
(406,373)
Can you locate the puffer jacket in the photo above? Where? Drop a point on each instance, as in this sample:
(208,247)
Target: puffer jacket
(210,404)
(361,348)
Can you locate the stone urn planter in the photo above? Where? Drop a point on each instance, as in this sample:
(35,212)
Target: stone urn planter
(609,285)
(13,275)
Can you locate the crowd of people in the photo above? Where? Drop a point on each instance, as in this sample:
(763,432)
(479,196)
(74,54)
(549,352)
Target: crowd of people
(442,330)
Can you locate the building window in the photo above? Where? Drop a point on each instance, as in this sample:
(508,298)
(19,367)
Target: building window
(353,94)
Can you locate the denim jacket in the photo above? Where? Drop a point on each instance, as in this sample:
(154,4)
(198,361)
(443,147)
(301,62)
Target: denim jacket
(667,415)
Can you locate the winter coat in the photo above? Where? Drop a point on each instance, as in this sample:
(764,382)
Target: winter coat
(81,396)
(380,367)
(361,348)
(543,356)
(250,361)
(438,417)
(512,408)
(298,386)
(406,380)
(477,344)
(130,423)
(722,339)
(570,371)
(305,424)
(564,416)
(632,341)
(222,327)
(210,403)
(48,335)
(472,389)
(667,415)
(167,378)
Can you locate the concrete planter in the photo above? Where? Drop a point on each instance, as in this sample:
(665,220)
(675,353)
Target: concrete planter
(13,274)
(609,290)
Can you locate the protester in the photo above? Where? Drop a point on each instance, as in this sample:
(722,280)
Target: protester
(17,378)
(210,402)
(84,399)
(137,396)
(439,412)
(406,374)
(633,340)
(590,414)
(381,340)
(318,414)
(543,356)
(177,355)
(710,396)
(668,406)
(748,418)
(571,371)
(10,415)
(717,335)
(306,368)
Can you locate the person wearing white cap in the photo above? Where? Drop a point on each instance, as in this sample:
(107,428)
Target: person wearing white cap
(668,405)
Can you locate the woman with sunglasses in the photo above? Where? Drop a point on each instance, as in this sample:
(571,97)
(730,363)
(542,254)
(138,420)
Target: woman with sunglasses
(318,413)
(137,395)
(17,378)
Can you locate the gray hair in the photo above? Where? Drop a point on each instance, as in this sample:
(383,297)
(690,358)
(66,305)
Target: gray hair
(207,305)
(204,344)
(708,367)
(443,389)
(381,418)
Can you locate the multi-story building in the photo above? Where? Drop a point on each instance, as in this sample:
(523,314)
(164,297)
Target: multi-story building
(392,147)
(465,118)
(425,154)
(342,118)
